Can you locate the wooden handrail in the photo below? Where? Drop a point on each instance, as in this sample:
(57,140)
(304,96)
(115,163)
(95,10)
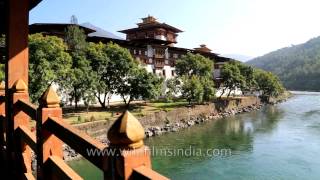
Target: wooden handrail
(56,167)
(27,136)
(143,172)
(77,140)
(27,107)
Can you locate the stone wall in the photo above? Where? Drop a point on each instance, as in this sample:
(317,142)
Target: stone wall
(161,120)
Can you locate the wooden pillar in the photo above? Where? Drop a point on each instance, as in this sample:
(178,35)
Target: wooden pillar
(126,138)
(17,42)
(47,143)
(3,154)
(2,117)
(16,68)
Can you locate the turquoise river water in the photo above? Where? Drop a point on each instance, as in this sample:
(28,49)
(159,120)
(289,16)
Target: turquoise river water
(276,142)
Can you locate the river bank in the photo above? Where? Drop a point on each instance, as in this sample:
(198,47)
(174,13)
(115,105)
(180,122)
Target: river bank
(165,122)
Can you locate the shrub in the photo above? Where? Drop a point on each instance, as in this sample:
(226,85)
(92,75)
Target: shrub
(92,118)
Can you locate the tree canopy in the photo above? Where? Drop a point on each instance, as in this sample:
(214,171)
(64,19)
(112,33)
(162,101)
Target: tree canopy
(82,79)
(268,83)
(242,76)
(49,63)
(232,78)
(194,64)
(195,78)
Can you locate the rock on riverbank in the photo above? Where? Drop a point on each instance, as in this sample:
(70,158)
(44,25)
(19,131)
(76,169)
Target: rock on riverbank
(173,127)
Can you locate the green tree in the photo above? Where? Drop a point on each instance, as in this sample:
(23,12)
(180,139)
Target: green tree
(195,67)
(49,63)
(96,54)
(232,78)
(268,83)
(173,88)
(83,79)
(192,89)
(139,84)
(119,68)
(248,73)
(194,64)
(209,90)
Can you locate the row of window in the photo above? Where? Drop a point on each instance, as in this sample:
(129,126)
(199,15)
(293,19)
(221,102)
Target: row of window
(158,52)
(164,72)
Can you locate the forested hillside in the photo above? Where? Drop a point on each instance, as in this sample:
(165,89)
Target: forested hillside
(298,66)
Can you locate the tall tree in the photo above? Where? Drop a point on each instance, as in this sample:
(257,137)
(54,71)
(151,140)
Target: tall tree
(139,84)
(195,67)
(173,86)
(49,63)
(268,83)
(194,64)
(96,54)
(119,68)
(83,79)
(232,78)
(192,89)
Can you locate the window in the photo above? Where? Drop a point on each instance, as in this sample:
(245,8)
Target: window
(154,71)
(139,52)
(172,73)
(164,72)
(134,51)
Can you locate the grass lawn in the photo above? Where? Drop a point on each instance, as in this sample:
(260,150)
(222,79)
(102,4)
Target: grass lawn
(138,109)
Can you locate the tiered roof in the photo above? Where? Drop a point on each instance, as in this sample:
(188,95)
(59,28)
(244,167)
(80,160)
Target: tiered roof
(150,23)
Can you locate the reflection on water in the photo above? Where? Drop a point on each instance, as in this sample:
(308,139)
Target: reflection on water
(277,142)
(311,113)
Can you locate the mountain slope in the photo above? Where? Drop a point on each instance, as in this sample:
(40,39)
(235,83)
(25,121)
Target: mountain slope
(297,66)
(239,57)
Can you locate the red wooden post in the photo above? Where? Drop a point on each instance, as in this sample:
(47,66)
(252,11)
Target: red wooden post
(2,117)
(47,143)
(126,137)
(16,68)
(2,125)
(21,153)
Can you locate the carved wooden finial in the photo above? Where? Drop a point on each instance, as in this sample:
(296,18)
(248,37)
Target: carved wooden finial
(126,132)
(50,98)
(20,86)
(2,86)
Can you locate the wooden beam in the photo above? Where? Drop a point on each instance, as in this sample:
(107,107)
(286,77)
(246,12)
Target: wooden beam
(56,168)
(143,172)
(27,107)
(27,136)
(77,140)
(29,176)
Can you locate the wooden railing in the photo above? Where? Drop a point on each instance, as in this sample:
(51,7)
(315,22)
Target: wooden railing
(131,159)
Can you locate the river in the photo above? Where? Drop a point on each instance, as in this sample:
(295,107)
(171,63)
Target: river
(276,142)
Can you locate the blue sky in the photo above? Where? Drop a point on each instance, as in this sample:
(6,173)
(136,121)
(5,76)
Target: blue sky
(248,27)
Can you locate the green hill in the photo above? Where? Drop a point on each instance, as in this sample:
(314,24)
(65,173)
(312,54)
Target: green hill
(297,66)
